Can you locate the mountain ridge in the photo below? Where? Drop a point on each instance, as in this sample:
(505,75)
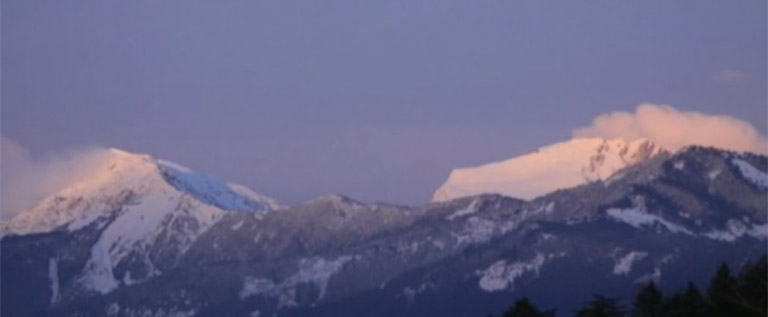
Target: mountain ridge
(645,222)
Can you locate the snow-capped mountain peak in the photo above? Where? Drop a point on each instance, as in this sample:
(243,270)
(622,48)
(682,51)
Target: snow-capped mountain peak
(553,167)
(117,177)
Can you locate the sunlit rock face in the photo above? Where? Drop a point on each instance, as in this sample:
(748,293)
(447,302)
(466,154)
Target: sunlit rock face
(558,166)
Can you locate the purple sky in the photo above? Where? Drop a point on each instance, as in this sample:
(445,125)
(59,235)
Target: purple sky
(378,101)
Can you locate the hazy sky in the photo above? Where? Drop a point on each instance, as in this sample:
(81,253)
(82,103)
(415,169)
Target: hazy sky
(378,100)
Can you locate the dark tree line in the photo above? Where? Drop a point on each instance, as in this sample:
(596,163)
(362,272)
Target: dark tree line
(728,295)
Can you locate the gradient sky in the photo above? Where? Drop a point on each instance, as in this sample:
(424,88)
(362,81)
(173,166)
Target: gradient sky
(378,100)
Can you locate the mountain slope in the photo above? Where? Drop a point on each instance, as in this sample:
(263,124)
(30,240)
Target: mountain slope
(671,219)
(558,166)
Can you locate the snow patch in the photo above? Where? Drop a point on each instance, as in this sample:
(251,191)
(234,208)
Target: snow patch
(713,174)
(127,280)
(624,265)
(237,225)
(736,229)
(547,236)
(759,231)
(411,293)
(502,275)
(317,271)
(679,165)
(470,209)
(411,247)
(478,230)
(638,217)
(114,310)
(576,221)
(53,277)
(548,208)
(98,276)
(752,174)
(253,285)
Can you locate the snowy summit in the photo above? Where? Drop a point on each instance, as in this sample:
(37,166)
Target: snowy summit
(119,179)
(558,166)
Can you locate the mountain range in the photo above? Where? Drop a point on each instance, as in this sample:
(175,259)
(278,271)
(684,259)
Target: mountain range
(145,237)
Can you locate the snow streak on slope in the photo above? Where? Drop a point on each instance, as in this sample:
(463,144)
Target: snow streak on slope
(736,229)
(557,166)
(135,231)
(472,208)
(502,275)
(53,277)
(754,175)
(624,265)
(638,217)
(317,271)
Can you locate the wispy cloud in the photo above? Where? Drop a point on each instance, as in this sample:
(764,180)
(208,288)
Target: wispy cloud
(730,76)
(25,180)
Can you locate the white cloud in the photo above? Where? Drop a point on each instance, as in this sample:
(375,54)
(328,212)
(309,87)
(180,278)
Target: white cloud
(25,180)
(672,129)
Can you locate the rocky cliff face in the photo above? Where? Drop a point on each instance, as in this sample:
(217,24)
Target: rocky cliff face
(668,217)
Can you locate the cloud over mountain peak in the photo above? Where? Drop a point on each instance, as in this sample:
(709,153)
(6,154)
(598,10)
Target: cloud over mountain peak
(673,129)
